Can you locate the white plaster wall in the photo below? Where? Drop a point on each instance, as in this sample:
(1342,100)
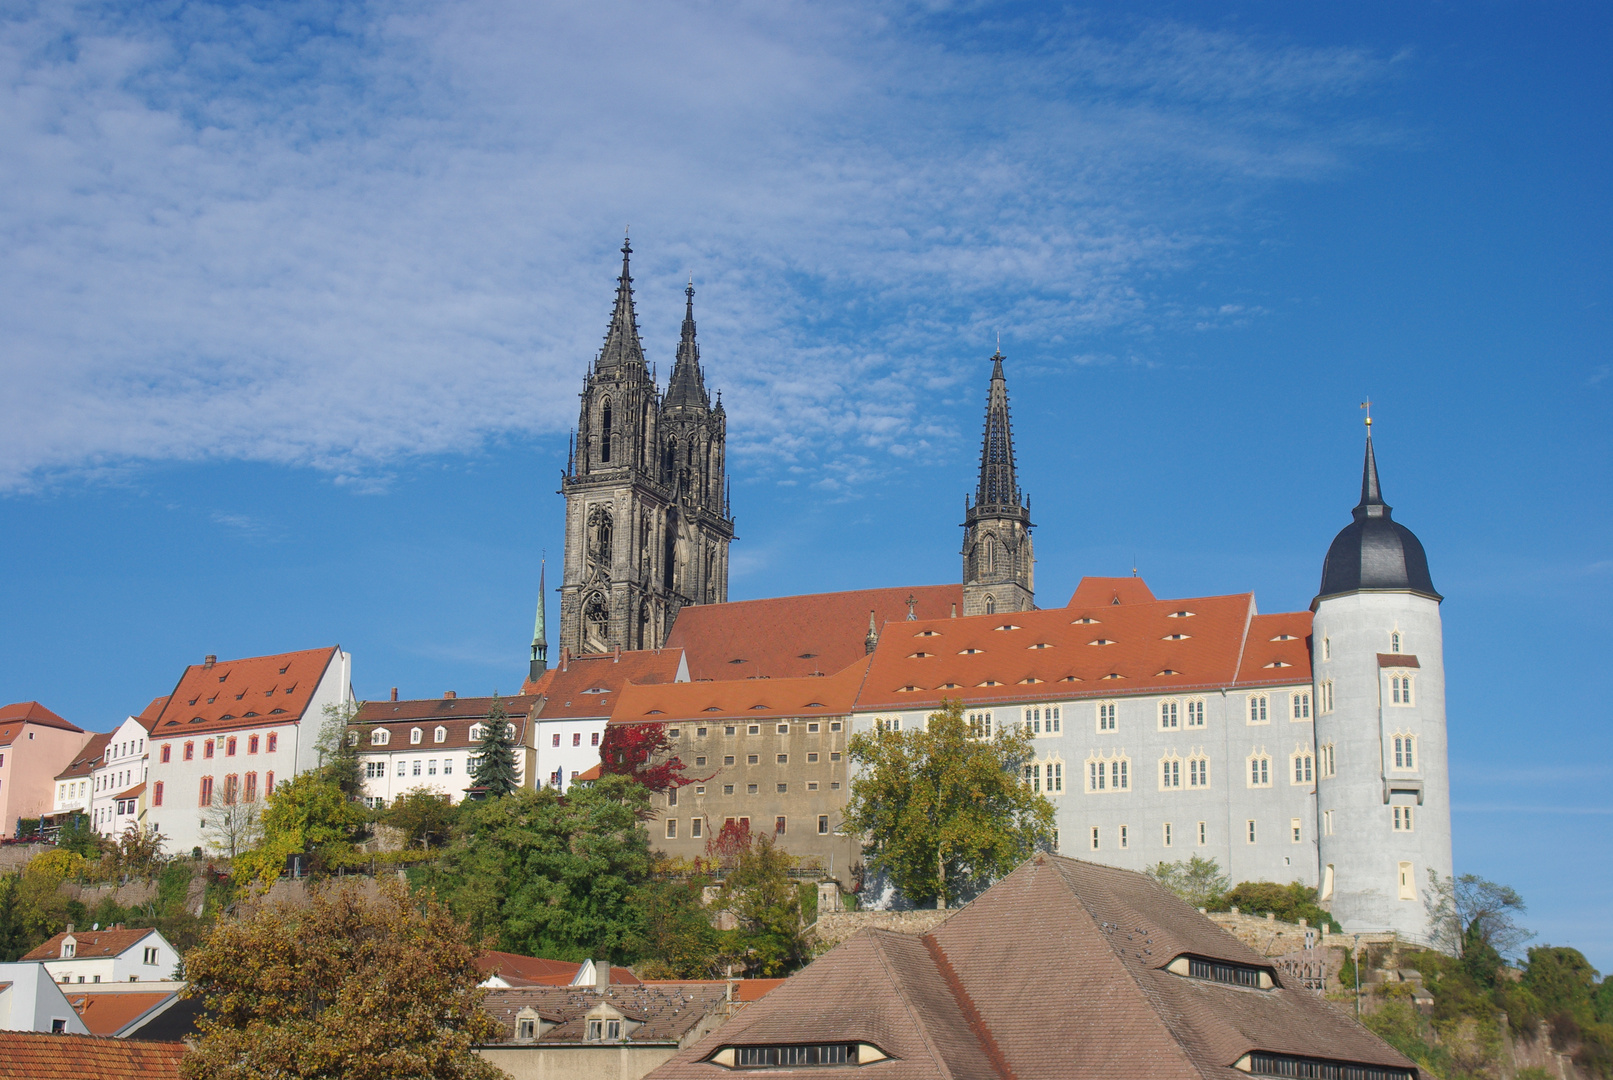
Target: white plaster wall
(123,765)
(129,966)
(33,1002)
(1364,850)
(568,758)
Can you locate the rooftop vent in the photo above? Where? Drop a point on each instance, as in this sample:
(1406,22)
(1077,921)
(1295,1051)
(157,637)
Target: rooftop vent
(209,660)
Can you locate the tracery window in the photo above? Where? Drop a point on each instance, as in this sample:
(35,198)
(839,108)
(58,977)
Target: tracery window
(1259,770)
(1169,715)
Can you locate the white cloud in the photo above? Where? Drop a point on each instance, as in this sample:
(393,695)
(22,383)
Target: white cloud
(339,236)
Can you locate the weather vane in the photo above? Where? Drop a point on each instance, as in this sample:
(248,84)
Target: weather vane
(1367,405)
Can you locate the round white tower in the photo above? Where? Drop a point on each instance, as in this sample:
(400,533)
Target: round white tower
(1383,788)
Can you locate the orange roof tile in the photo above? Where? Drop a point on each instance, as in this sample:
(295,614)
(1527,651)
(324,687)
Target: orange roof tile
(107,1013)
(586,686)
(90,944)
(747,699)
(1089,650)
(252,692)
(133,793)
(88,758)
(1109,591)
(791,636)
(434,709)
(593,772)
(32,712)
(30,1055)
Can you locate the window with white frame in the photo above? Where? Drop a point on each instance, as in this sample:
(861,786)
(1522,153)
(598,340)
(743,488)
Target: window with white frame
(415,735)
(1170,772)
(1125,837)
(1169,715)
(1324,704)
(1198,770)
(1408,883)
(1195,712)
(1106,715)
(1304,765)
(1250,830)
(1327,648)
(1301,702)
(1399,688)
(1106,774)
(440,735)
(1296,831)
(1043,719)
(1327,823)
(403,767)
(1045,776)
(1405,751)
(1402,818)
(980,724)
(1259,772)
(1094,838)
(1204,833)
(380,737)
(1394,642)
(887,723)
(1166,834)
(1258,705)
(475,733)
(1324,761)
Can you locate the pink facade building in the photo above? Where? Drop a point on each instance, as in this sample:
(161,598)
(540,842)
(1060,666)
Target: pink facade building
(35,746)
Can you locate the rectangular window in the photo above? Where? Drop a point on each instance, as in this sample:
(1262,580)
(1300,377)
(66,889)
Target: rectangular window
(750,789)
(834,755)
(812,729)
(700,760)
(1170,773)
(1119,774)
(1325,705)
(403,768)
(156,794)
(1124,838)
(812,785)
(834,725)
(1408,885)
(778,825)
(784,729)
(576,738)
(672,796)
(823,824)
(1294,829)
(190,751)
(431,767)
(1402,819)
(1106,716)
(812,759)
(416,769)
(252,744)
(268,782)
(166,752)
(207,791)
(1055,775)
(673,733)
(752,759)
(251,787)
(593,739)
(1167,716)
(784,759)
(1251,824)
(728,789)
(448,766)
(1094,838)
(1204,833)
(783,789)
(697,826)
(274,741)
(229,747)
(554,740)
(1327,822)
(150,955)
(1302,706)
(1167,834)
(1198,772)
(1195,714)
(207,748)
(1096,773)
(1257,709)
(671,828)
(753,729)
(1405,752)
(729,760)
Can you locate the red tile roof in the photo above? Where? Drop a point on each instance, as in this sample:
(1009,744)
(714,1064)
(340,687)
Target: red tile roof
(32,712)
(90,944)
(593,772)
(1109,591)
(133,793)
(792,636)
(747,699)
(29,1055)
(745,990)
(666,1011)
(581,687)
(108,1012)
(1096,650)
(456,715)
(1058,970)
(88,758)
(518,970)
(253,692)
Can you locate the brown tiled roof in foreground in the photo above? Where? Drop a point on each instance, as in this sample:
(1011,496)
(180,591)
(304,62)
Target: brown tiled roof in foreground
(1058,970)
(29,1055)
(667,1011)
(793,636)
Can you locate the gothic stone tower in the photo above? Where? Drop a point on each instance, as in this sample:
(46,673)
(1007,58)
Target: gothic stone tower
(1378,657)
(998,563)
(647,525)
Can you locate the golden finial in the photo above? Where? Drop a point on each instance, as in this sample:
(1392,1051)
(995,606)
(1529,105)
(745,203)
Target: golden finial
(1367,405)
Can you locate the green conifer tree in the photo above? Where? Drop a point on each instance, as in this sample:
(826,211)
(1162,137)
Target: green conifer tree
(495,754)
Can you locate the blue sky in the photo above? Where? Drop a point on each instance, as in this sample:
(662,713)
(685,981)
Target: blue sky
(297,299)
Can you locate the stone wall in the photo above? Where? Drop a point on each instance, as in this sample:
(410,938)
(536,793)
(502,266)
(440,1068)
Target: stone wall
(1269,936)
(833,927)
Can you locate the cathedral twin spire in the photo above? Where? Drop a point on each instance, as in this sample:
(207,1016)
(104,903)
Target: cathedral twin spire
(998,561)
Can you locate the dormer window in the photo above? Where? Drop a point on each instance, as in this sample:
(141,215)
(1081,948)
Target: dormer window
(928,633)
(1085,620)
(475,733)
(604,1029)
(1285,637)
(1041,645)
(1102,641)
(1175,637)
(69,948)
(970,652)
(1006,626)
(352,738)
(380,737)
(1219,971)
(440,735)
(1180,615)
(797,1056)
(415,735)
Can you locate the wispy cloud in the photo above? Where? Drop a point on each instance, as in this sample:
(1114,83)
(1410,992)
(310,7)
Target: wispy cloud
(338,235)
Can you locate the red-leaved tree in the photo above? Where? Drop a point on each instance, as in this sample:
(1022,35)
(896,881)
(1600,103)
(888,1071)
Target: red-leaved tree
(644,752)
(730,842)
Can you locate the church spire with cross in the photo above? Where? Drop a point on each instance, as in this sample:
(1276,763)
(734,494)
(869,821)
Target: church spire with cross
(998,561)
(622,345)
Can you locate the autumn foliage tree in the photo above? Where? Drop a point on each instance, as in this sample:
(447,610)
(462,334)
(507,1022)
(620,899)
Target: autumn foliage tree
(946,810)
(350,987)
(642,751)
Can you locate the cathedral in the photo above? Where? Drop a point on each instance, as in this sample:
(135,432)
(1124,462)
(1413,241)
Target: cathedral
(1304,746)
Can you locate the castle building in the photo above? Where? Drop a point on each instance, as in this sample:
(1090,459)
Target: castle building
(647,519)
(1296,746)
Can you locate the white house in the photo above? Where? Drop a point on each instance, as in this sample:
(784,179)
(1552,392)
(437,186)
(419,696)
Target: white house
(232,729)
(429,744)
(578,696)
(31,1001)
(115,955)
(75,784)
(118,778)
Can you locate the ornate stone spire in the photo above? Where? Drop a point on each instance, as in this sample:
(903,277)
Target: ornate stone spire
(687,387)
(540,637)
(999,487)
(622,345)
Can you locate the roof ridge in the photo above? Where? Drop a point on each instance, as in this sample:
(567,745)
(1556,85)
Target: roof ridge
(878,939)
(966,1005)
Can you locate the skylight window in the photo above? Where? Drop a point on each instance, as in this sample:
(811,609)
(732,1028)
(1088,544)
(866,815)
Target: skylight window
(796,1056)
(1029,680)
(1219,971)
(919,655)
(1071,678)
(1114,675)
(1279,663)
(989,682)
(1181,615)
(1006,626)
(1176,637)
(1167,671)
(1285,637)
(1102,641)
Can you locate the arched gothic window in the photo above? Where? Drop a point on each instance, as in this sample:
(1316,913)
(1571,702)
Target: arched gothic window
(605,431)
(599,534)
(991,605)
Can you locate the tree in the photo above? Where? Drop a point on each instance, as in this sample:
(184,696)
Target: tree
(642,751)
(231,827)
(727,844)
(1197,880)
(494,769)
(424,818)
(138,852)
(765,902)
(338,748)
(347,987)
(1290,903)
(946,811)
(309,815)
(552,875)
(79,836)
(677,940)
(1470,910)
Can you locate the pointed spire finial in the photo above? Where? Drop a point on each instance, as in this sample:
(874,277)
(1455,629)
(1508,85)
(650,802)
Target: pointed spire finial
(540,637)
(1371,504)
(622,345)
(872,640)
(911,600)
(999,485)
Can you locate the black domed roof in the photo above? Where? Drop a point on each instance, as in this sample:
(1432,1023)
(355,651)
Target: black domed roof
(1375,552)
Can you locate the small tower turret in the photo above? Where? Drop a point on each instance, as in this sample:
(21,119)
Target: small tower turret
(1383,788)
(998,561)
(540,636)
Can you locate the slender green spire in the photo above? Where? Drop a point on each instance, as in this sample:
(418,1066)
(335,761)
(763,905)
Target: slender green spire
(540,639)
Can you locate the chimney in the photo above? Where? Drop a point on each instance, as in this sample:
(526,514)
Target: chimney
(954,611)
(601,975)
(69,928)
(394,693)
(616,655)
(209,660)
(447,695)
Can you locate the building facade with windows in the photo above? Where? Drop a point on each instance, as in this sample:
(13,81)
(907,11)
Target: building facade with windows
(75,785)
(232,729)
(579,695)
(118,779)
(35,745)
(114,955)
(430,744)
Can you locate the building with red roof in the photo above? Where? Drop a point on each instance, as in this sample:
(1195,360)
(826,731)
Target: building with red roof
(578,697)
(232,729)
(428,744)
(28,1055)
(74,784)
(35,745)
